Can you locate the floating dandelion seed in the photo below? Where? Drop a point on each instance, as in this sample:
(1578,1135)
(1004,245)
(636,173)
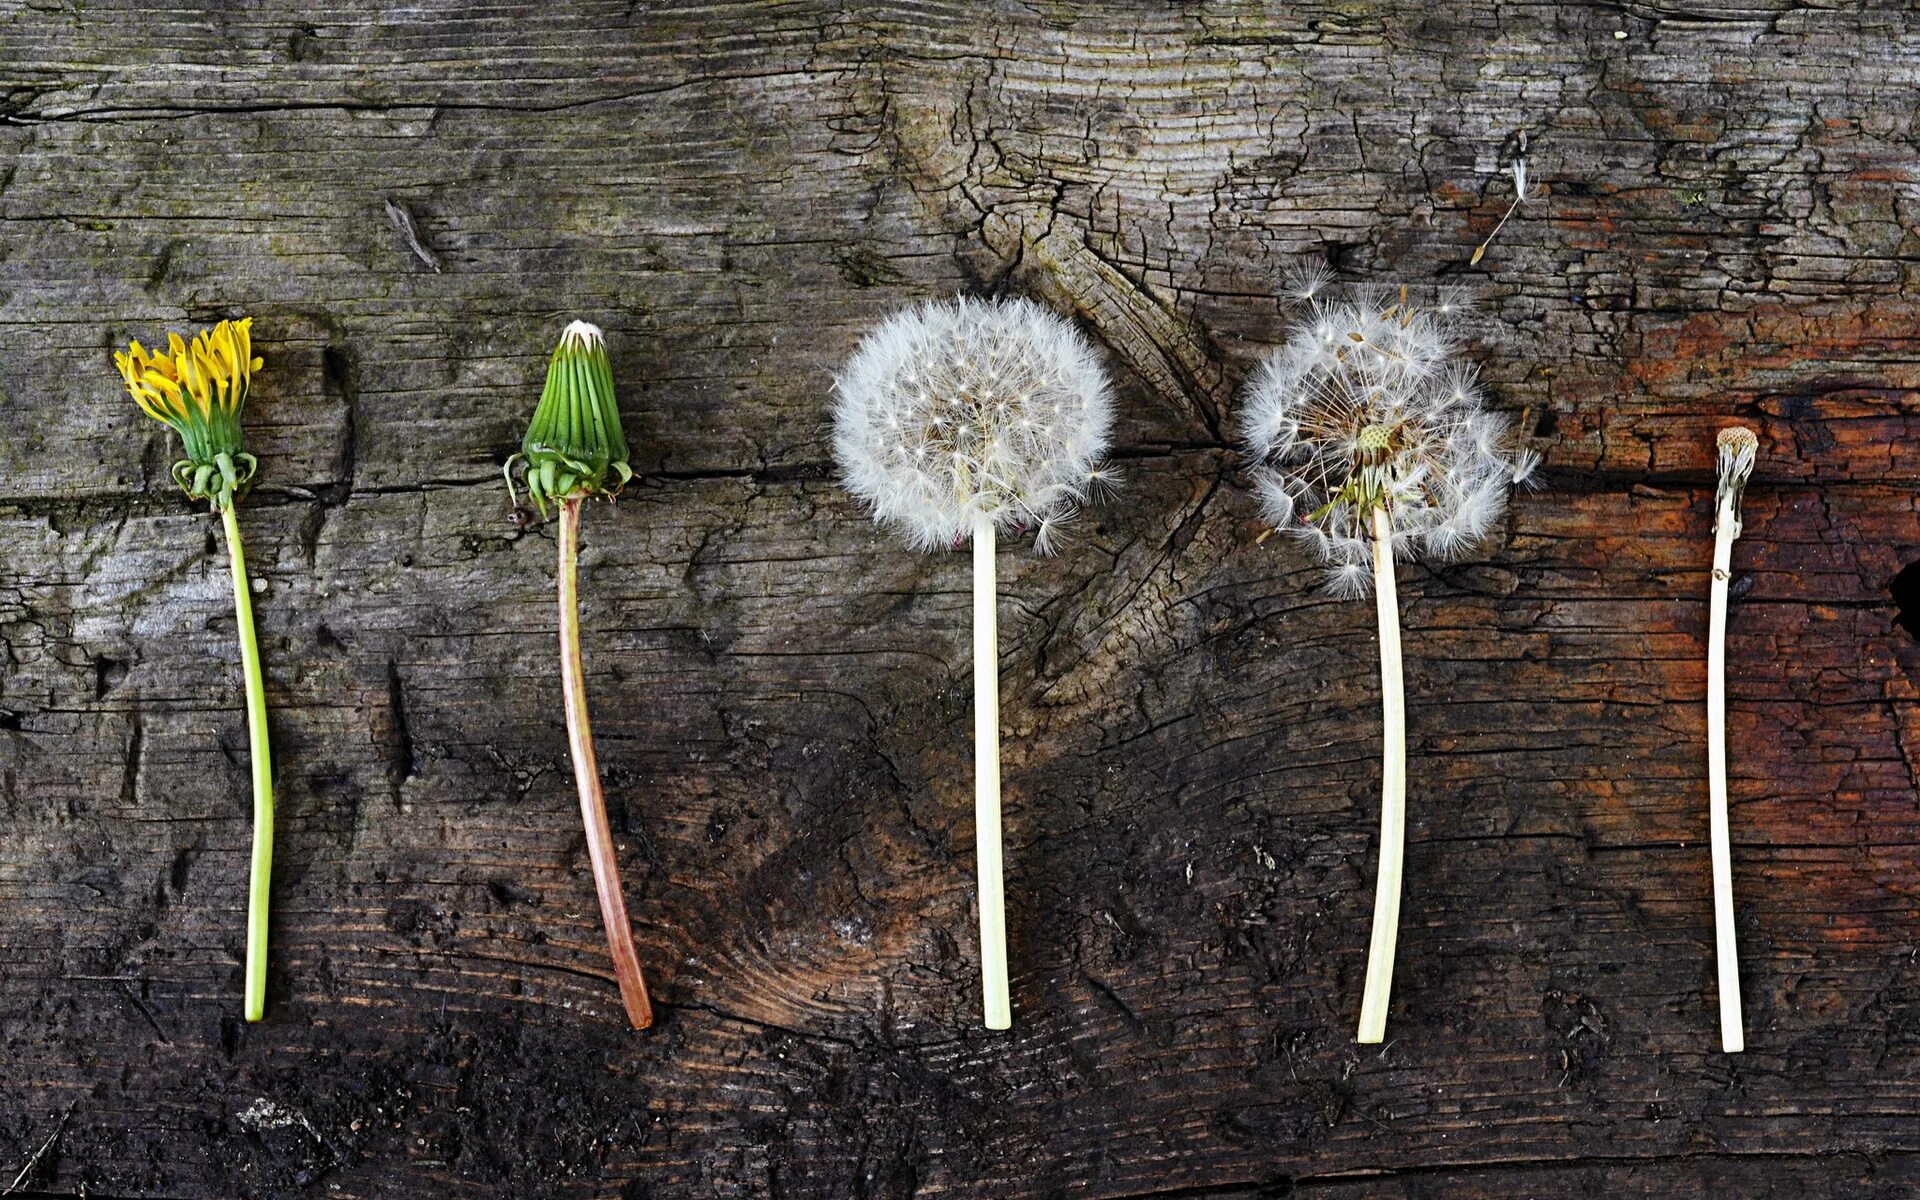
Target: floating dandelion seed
(1520,197)
(1737,446)
(964,420)
(1369,441)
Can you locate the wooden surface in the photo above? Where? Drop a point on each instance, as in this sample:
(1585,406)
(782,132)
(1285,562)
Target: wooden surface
(412,200)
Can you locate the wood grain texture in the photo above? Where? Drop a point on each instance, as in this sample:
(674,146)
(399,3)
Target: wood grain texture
(411,200)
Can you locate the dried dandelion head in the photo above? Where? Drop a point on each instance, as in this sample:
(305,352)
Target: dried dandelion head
(1738,447)
(1370,406)
(951,411)
(199,389)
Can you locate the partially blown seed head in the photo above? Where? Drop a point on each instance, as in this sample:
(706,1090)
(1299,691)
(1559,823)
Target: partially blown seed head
(1369,405)
(955,409)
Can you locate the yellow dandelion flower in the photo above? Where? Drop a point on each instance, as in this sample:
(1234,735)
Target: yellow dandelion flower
(199,389)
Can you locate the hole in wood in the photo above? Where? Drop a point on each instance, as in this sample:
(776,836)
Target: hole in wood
(1906,597)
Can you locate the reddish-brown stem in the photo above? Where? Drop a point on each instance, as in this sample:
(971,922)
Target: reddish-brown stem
(586,777)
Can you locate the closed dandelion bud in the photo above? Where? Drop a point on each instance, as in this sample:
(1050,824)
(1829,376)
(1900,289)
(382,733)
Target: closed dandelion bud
(574,447)
(574,450)
(199,389)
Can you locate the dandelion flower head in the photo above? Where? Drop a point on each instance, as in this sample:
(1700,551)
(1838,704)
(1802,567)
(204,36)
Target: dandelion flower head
(199,388)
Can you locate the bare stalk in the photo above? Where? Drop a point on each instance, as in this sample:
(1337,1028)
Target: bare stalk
(586,777)
(1737,448)
(996,996)
(1393,790)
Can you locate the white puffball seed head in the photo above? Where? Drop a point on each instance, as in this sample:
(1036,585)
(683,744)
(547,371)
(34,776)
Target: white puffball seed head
(1369,405)
(952,410)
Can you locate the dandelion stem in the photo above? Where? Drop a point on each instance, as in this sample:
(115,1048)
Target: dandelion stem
(586,777)
(1726,528)
(996,998)
(260,881)
(1393,790)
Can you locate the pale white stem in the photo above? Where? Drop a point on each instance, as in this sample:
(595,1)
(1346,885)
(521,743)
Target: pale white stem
(1726,528)
(1393,790)
(996,998)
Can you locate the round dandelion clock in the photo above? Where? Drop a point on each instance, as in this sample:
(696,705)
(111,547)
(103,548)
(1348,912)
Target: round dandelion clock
(972,421)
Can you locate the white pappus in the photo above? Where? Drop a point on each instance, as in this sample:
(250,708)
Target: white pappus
(956,409)
(1369,405)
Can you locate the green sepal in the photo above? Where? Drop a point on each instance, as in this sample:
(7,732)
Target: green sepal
(217,467)
(220,480)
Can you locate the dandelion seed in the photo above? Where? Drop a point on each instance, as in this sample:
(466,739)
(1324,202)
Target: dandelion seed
(1306,281)
(1520,197)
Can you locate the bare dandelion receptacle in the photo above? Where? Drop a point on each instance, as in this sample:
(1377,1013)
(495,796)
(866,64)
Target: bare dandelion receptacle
(1736,448)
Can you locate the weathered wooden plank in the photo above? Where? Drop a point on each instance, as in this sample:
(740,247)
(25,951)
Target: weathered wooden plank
(735,190)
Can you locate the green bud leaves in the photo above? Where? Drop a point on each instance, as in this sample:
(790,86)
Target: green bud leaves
(574,447)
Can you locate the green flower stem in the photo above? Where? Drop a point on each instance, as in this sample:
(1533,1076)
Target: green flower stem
(260,883)
(586,778)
